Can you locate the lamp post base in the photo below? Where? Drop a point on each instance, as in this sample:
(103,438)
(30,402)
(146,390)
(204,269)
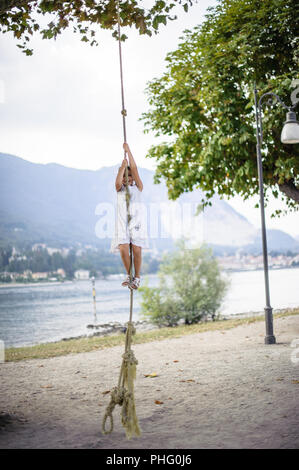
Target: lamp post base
(270,339)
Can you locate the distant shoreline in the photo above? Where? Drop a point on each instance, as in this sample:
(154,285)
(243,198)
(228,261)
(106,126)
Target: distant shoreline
(120,275)
(53,283)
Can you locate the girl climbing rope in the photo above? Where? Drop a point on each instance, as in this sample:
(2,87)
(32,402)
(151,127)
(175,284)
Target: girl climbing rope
(129,238)
(130,228)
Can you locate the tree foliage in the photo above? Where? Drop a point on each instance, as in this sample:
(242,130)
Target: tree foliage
(191,288)
(205,102)
(24,17)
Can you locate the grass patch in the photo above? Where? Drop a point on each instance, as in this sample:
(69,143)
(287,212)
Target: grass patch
(74,346)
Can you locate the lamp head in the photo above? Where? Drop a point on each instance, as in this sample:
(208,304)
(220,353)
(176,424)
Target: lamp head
(290,130)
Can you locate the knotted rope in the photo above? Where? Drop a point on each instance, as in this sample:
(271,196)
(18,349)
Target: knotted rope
(123,394)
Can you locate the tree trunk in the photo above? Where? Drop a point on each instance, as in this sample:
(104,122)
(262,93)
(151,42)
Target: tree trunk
(290,190)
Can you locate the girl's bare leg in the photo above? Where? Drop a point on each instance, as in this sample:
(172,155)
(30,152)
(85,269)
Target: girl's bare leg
(137,250)
(125,256)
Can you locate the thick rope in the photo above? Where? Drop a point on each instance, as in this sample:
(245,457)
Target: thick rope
(123,394)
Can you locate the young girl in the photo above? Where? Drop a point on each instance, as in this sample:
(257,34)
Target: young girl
(135,231)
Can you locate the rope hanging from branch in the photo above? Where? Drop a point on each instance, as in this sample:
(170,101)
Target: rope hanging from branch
(123,394)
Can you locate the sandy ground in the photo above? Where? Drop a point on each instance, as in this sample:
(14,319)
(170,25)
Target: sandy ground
(219,390)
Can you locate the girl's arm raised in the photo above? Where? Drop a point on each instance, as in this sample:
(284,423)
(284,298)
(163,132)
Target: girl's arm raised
(120,175)
(133,167)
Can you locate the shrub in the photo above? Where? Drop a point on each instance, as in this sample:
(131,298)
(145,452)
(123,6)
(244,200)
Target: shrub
(191,288)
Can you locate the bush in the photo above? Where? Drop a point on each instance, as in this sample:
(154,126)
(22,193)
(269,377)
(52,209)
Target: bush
(191,288)
(159,305)
(5,278)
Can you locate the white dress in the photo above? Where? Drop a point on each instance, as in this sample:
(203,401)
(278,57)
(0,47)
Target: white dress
(136,231)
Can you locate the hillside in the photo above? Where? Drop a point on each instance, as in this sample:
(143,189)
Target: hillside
(56,205)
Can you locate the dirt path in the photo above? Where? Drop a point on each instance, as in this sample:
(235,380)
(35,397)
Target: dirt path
(219,390)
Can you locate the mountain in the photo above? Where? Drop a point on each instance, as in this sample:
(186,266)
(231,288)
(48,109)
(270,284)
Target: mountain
(64,206)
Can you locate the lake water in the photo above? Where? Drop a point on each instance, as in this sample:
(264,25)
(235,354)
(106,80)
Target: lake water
(32,314)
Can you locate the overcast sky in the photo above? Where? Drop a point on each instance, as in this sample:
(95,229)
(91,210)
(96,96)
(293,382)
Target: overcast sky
(63,103)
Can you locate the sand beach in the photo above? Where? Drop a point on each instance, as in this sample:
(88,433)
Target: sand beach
(215,389)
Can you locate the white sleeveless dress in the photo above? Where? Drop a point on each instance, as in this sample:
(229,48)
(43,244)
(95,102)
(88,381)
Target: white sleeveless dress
(136,231)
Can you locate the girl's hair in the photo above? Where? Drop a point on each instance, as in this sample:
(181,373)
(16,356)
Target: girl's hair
(129,168)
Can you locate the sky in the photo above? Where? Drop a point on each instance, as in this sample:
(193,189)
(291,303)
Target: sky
(63,103)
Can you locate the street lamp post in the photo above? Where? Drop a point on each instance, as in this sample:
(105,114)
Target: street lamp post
(289,135)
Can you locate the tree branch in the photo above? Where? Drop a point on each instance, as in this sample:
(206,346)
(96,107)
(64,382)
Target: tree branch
(290,190)
(6,5)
